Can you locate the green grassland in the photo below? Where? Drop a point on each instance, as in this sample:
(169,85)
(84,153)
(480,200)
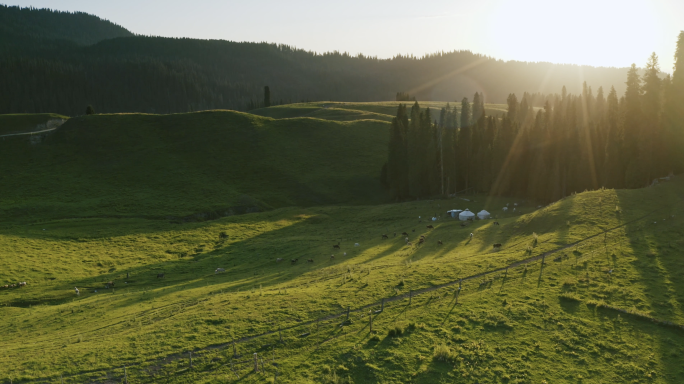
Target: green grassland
(584,290)
(213,163)
(20,123)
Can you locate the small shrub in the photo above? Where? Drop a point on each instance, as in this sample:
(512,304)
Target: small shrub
(442,353)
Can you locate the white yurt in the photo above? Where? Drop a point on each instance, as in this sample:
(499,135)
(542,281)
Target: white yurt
(465,215)
(483,215)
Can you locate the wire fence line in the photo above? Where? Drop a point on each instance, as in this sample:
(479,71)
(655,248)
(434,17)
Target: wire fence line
(155,368)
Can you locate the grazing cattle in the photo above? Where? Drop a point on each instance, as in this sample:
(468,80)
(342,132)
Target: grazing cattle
(439,242)
(409,244)
(109,284)
(413,230)
(13,286)
(395,234)
(356,244)
(471,235)
(332,257)
(385,237)
(278,260)
(404,234)
(336,246)
(345,254)
(219,270)
(496,223)
(421,240)
(310,260)
(160,275)
(497,245)
(513,209)
(77,291)
(294,261)
(406,239)
(6,286)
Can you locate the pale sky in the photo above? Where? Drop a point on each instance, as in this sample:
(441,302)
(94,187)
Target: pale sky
(612,33)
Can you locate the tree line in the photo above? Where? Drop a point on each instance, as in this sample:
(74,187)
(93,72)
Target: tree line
(571,144)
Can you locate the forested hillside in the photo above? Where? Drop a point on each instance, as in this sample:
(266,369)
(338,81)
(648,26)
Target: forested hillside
(574,143)
(165,75)
(44,24)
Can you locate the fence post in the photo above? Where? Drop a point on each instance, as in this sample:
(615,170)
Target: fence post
(256,363)
(125,375)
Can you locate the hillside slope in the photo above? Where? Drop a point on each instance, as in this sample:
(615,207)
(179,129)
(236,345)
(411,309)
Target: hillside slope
(604,307)
(217,162)
(44,24)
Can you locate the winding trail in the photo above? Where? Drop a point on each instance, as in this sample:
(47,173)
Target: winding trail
(29,133)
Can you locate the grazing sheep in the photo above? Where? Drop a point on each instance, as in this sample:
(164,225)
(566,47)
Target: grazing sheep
(22,284)
(219,270)
(332,257)
(471,235)
(409,244)
(345,254)
(404,234)
(515,204)
(513,209)
(430,227)
(439,242)
(385,236)
(505,209)
(356,244)
(77,291)
(406,239)
(278,260)
(294,261)
(421,240)
(160,275)
(496,223)
(310,260)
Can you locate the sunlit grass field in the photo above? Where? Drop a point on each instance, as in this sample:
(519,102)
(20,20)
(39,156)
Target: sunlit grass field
(584,290)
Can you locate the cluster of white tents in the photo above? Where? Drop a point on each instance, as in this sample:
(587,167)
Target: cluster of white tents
(464,215)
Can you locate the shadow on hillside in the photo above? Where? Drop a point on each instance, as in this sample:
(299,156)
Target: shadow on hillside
(655,242)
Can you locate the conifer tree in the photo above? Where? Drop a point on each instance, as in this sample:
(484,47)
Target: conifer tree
(267,97)
(674,112)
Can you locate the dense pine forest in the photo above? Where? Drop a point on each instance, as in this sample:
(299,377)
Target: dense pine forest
(573,143)
(61,62)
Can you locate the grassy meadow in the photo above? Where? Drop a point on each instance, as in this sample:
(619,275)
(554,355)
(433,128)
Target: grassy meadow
(583,290)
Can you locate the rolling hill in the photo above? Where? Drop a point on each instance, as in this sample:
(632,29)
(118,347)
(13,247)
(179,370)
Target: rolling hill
(603,306)
(189,166)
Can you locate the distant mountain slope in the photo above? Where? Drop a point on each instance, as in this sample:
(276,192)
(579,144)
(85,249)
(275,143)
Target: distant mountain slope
(213,162)
(169,75)
(78,27)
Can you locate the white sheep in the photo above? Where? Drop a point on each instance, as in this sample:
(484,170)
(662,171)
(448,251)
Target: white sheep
(77,291)
(219,270)
(356,244)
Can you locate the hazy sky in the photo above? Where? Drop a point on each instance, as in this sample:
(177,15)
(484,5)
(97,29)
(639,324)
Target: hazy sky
(595,32)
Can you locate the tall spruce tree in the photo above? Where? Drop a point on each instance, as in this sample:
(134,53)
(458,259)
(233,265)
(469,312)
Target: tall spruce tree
(267,97)
(674,110)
